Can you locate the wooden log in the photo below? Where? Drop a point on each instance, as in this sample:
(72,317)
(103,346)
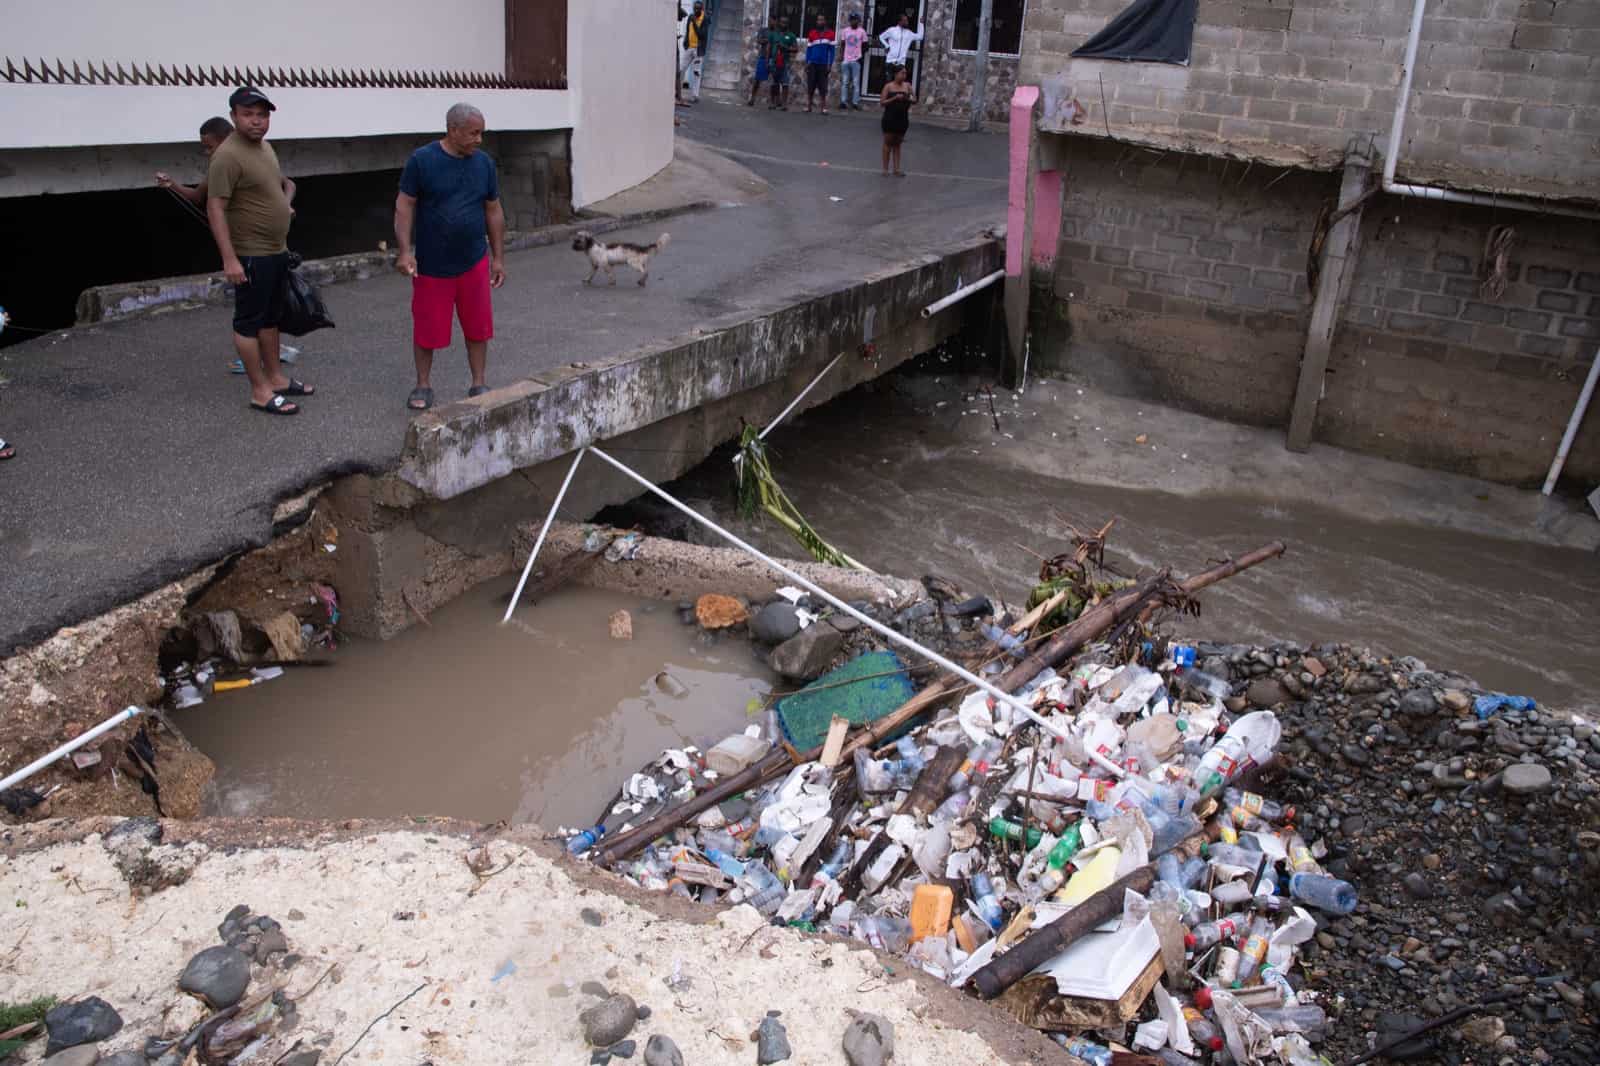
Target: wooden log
(1089,625)
(928,792)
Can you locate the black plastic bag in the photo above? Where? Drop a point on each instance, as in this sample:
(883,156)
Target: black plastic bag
(303,309)
(1155,31)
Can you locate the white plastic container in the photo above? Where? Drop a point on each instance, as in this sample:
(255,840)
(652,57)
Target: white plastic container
(735,753)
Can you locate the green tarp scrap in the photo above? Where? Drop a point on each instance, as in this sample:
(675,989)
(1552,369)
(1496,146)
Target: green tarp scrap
(862,690)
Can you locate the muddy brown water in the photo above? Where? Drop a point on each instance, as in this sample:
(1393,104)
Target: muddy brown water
(913,492)
(537,721)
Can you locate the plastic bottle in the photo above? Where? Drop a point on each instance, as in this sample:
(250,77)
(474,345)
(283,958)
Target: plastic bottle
(1174,832)
(953,807)
(1249,742)
(1235,855)
(1242,804)
(1179,873)
(725,862)
(976,762)
(1273,976)
(1208,933)
(1087,1050)
(1254,950)
(986,902)
(1323,892)
(872,775)
(1173,1057)
(835,864)
(1301,861)
(1055,863)
(1297,1018)
(720,839)
(585,840)
(1007,641)
(1008,830)
(1202,1029)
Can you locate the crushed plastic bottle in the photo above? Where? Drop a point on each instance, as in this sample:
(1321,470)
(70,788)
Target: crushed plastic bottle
(1202,1030)
(1208,933)
(582,842)
(986,902)
(1087,1050)
(1056,861)
(1254,950)
(1243,805)
(1249,743)
(1323,892)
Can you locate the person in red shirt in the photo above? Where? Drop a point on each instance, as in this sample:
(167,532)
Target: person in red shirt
(819,62)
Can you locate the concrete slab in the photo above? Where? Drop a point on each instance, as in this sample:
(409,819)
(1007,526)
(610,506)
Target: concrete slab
(140,461)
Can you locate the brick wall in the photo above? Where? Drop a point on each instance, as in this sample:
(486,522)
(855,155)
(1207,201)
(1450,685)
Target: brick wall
(1506,95)
(1430,368)
(1182,279)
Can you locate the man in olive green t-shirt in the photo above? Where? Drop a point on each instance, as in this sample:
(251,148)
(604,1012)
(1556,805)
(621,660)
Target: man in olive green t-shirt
(247,204)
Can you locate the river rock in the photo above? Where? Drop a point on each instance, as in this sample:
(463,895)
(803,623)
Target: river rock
(661,1051)
(609,1021)
(217,975)
(1419,703)
(1264,692)
(82,1022)
(1525,778)
(869,1040)
(776,622)
(805,656)
(1484,1031)
(83,1055)
(715,611)
(772,1041)
(1418,885)
(133,1058)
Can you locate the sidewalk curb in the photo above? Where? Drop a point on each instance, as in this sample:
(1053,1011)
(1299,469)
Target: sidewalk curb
(123,301)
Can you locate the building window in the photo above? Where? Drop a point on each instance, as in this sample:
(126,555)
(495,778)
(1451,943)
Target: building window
(802,14)
(1005,34)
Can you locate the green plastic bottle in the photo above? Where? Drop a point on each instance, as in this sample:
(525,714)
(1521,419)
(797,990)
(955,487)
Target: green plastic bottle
(1006,830)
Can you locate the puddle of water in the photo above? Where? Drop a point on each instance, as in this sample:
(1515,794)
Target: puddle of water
(538,721)
(904,492)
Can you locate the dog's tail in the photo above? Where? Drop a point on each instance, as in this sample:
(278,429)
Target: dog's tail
(661,241)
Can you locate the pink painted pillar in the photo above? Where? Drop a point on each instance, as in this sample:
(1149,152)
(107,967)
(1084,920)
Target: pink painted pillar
(1028,236)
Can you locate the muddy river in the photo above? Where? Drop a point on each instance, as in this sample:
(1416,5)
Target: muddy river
(537,721)
(540,721)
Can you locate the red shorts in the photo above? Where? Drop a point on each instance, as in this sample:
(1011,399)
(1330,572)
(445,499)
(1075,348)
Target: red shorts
(433,300)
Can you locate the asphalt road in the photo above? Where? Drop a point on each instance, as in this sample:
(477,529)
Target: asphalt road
(140,461)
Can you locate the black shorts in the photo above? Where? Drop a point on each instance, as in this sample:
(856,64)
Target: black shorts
(816,78)
(258,303)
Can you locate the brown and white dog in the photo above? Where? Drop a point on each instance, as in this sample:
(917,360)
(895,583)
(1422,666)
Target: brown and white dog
(607,257)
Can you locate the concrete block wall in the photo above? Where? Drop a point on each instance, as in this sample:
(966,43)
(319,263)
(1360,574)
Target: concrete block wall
(1182,279)
(1506,95)
(1430,367)
(535,177)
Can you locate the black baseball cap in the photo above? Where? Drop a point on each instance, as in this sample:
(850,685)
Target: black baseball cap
(248,96)
(855,16)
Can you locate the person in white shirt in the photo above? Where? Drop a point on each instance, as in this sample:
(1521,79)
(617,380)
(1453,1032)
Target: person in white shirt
(898,41)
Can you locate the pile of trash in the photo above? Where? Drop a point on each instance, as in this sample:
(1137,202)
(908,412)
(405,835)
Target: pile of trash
(1093,853)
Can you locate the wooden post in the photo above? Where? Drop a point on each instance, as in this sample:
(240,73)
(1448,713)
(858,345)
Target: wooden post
(1024,134)
(1339,256)
(980,74)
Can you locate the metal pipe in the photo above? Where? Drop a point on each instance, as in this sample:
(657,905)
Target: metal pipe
(1572,425)
(871,623)
(962,293)
(548,519)
(127,714)
(796,401)
(1407,69)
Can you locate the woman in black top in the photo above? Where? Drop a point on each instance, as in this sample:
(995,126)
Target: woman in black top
(896,99)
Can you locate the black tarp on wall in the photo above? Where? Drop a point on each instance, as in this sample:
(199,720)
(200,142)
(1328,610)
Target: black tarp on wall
(1155,31)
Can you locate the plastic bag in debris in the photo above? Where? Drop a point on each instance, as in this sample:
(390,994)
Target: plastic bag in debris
(976,717)
(1126,693)
(932,848)
(1249,1038)
(642,788)
(1172,1014)
(1288,936)
(1150,1035)
(623,547)
(1293,1050)
(801,799)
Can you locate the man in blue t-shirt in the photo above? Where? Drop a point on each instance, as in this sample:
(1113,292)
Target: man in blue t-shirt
(450,191)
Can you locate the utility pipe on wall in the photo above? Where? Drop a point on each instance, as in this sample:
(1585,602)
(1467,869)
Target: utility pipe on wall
(125,715)
(1391,159)
(962,293)
(1572,425)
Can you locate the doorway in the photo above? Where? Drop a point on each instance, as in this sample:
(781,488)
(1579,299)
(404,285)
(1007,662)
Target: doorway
(882,14)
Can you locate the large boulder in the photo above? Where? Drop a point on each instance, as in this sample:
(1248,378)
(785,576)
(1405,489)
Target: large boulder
(807,655)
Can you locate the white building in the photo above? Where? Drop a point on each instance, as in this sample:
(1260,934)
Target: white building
(95,95)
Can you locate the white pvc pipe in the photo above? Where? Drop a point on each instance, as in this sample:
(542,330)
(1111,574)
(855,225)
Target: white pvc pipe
(1391,159)
(871,623)
(543,532)
(127,714)
(1572,425)
(961,294)
(796,401)
(1408,67)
